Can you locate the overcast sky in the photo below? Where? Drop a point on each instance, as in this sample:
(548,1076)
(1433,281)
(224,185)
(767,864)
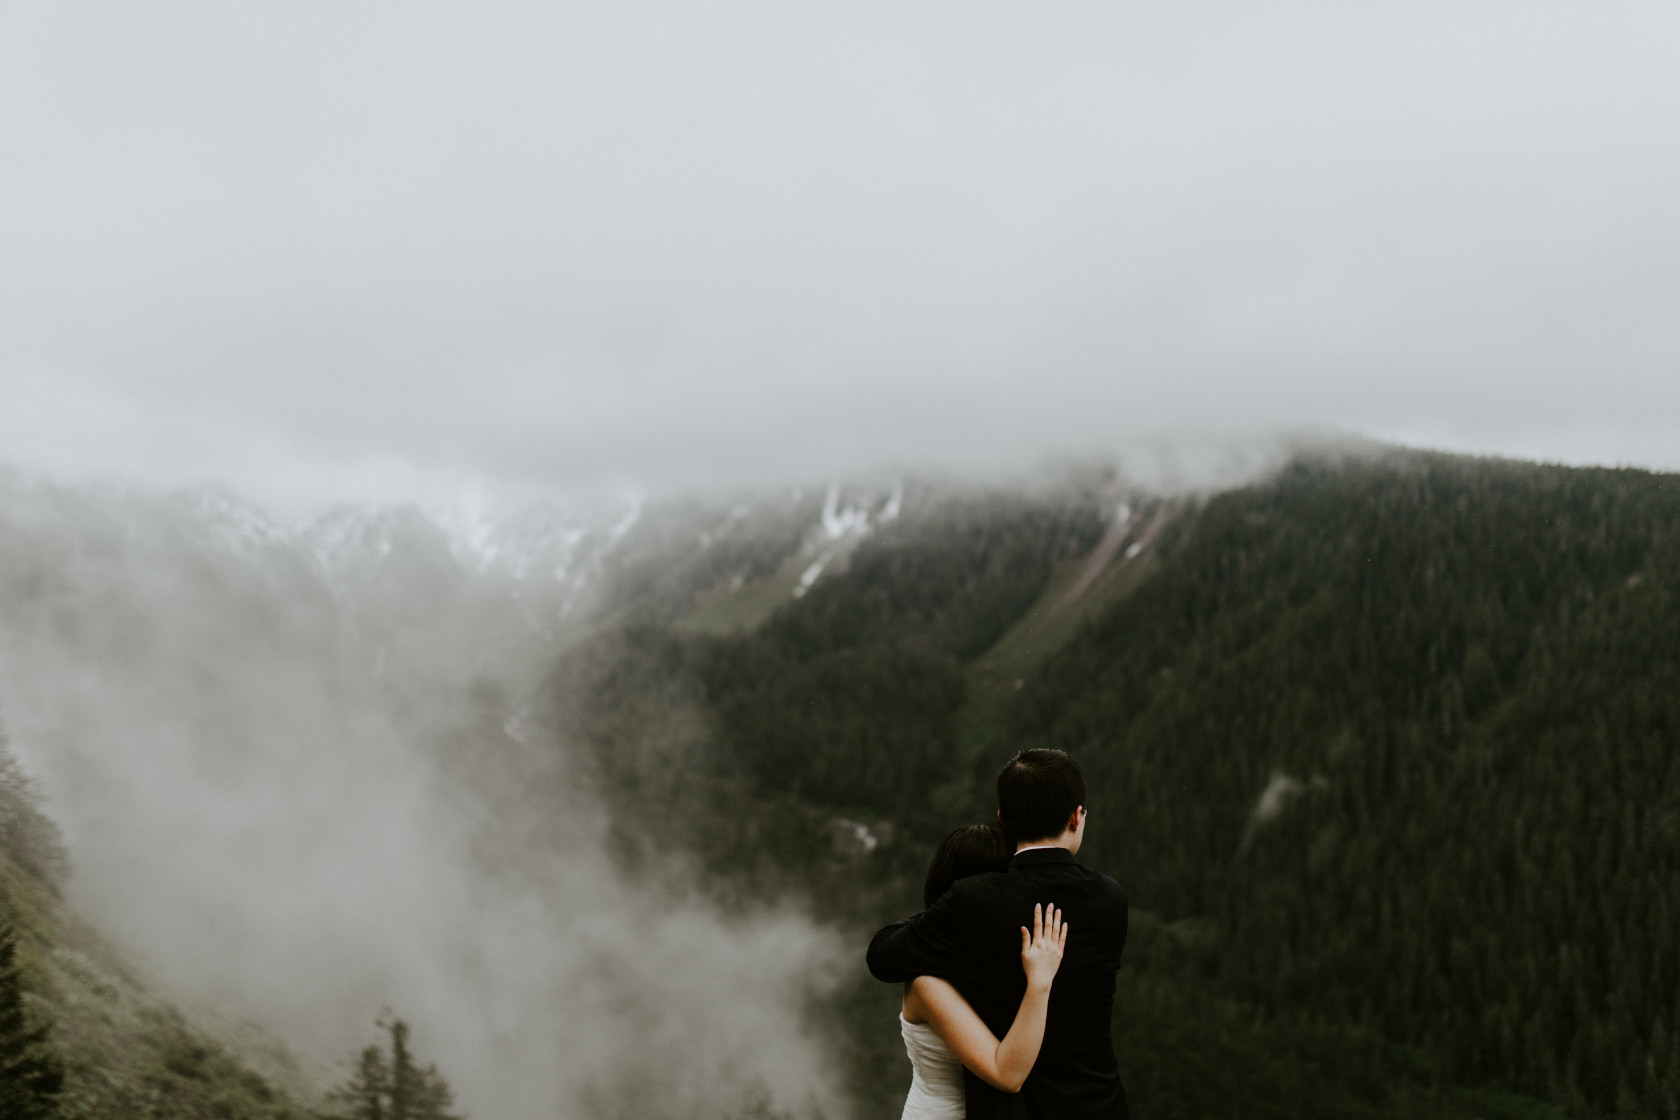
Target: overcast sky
(320,250)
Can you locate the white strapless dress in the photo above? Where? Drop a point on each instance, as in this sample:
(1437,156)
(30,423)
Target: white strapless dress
(936,1079)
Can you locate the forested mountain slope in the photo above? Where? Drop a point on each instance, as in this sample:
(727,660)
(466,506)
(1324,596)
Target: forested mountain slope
(116,1048)
(1407,733)
(1383,748)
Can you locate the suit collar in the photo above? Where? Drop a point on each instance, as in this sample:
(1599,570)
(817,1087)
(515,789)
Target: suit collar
(1042,855)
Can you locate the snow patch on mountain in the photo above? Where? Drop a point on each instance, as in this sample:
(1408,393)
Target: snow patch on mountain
(808,577)
(538,542)
(552,545)
(625,523)
(837,522)
(840,529)
(236,527)
(895,502)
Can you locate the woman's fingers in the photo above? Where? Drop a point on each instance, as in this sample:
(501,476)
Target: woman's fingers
(1041,951)
(1056,929)
(1048,926)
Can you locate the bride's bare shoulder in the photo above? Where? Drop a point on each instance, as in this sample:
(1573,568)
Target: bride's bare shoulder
(923,995)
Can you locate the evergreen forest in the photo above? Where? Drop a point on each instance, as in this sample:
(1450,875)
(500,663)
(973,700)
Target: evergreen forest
(1385,748)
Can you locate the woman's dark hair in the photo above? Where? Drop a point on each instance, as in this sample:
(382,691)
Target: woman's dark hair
(969,850)
(1038,790)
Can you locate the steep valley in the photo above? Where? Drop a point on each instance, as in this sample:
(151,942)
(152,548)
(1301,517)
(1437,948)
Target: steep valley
(1384,746)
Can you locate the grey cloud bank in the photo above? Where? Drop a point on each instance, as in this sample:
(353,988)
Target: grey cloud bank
(306,776)
(376,252)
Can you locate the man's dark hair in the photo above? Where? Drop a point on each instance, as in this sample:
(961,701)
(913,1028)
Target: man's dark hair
(1038,790)
(969,850)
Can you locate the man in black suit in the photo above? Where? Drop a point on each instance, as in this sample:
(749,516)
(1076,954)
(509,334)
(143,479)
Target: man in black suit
(971,937)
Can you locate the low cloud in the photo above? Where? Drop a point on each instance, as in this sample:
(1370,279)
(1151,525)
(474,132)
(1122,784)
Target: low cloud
(329,252)
(303,791)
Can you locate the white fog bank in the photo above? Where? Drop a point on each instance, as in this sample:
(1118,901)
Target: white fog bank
(298,779)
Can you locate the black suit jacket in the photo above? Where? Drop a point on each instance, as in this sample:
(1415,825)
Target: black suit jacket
(971,937)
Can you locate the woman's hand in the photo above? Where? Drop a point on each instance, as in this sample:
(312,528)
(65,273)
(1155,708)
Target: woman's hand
(1006,1064)
(1041,949)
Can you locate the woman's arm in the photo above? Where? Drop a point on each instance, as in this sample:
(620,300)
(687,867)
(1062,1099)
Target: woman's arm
(1002,1065)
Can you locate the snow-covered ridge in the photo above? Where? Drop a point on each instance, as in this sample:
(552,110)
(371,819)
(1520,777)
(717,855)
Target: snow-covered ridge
(235,526)
(551,543)
(545,560)
(546,556)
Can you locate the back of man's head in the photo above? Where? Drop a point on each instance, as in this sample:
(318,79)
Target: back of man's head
(1038,791)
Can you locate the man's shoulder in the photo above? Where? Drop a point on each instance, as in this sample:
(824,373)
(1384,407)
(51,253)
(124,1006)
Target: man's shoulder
(1074,881)
(1071,869)
(975,890)
(1107,889)
(1107,884)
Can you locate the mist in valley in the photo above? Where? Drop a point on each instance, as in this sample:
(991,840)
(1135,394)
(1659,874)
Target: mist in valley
(356,364)
(304,776)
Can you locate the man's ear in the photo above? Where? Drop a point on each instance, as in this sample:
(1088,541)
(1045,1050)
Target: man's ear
(1073,821)
(1000,816)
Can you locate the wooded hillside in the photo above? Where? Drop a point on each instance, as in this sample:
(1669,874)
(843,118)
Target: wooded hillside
(1384,749)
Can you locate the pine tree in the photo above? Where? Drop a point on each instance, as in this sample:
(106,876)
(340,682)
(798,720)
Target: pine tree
(396,1088)
(369,1086)
(402,1071)
(30,1074)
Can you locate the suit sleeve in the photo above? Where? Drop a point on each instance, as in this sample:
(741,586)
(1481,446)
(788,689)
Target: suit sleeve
(924,945)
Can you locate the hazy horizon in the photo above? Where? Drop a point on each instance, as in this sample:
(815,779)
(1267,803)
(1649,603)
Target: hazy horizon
(468,507)
(373,254)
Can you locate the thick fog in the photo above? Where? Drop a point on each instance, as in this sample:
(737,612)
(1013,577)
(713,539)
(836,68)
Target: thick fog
(397,249)
(303,777)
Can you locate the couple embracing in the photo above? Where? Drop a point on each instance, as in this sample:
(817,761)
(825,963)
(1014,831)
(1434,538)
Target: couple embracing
(1009,973)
